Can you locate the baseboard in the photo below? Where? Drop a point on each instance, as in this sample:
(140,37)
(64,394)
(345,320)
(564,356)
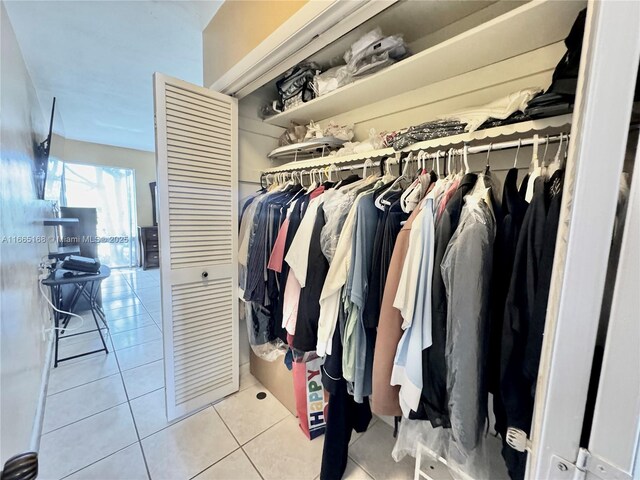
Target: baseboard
(38,421)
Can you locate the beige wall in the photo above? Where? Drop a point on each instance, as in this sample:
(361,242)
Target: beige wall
(144,164)
(23,313)
(237,28)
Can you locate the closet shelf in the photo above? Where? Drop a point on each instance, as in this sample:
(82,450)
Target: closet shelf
(550,125)
(545,22)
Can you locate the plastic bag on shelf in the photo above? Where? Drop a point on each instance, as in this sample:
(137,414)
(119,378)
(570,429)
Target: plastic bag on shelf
(373,52)
(362,43)
(342,132)
(331,80)
(374,142)
(293,134)
(314,130)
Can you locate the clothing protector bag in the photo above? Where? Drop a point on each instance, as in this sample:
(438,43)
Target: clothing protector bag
(311,402)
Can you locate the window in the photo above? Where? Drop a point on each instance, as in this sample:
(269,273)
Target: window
(111,191)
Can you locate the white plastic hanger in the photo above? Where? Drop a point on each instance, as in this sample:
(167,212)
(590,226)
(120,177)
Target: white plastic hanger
(368,163)
(535,173)
(465,157)
(555,165)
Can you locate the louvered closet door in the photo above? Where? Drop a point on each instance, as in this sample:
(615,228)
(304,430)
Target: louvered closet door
(196,151)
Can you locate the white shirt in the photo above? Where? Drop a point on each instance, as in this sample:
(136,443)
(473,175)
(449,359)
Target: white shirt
(298,254)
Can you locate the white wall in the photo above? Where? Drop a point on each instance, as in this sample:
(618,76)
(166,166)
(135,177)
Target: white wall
(22,311)
(144,164)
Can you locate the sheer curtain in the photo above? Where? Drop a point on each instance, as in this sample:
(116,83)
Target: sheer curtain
(111,191)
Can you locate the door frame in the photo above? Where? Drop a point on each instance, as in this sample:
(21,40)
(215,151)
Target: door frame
(592,178)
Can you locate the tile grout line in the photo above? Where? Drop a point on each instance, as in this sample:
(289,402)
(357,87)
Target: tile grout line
(215,463)
(114,406)
(255,467)
(99,460)
(128,399)
(133,418)
(241,445)
(84,418)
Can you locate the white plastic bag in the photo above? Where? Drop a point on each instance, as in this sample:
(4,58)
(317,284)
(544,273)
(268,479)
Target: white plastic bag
(331,80)
(342,132)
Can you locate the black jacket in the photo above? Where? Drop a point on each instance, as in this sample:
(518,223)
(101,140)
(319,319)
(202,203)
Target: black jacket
(525,311)
(513,209)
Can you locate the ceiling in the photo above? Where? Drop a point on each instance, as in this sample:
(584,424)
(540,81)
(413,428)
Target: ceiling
(98,57)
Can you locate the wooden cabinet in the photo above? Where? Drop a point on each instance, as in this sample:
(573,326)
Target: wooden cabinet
(149,252)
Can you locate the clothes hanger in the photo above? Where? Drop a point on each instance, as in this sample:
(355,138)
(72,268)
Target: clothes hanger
(368,163)
(381,201)
(515,161)
(465,156)
(544,165)
(487,167)
(555,164)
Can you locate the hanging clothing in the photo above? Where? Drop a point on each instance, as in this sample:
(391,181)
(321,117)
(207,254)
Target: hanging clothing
(367,216)
(525,311)
(387,229)
(385,400)
(407,369)
(305,338)
(466,272)
(434,364)
(331,292)
(514,208)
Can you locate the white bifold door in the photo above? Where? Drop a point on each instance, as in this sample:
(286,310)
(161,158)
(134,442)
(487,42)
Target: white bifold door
(196,152)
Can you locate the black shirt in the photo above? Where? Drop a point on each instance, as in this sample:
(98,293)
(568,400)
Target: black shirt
(525,311)
(306,336)
(513,209)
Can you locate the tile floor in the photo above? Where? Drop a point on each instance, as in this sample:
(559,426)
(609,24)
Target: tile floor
(104,417)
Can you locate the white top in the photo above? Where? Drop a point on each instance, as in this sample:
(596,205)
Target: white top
(405,300)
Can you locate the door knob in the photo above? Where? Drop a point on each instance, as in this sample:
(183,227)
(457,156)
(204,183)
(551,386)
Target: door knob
(205,274)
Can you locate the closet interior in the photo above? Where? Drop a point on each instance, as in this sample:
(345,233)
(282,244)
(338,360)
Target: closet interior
(405,247)
(449,70)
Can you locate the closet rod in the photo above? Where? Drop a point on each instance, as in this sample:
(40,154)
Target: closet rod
(522,142)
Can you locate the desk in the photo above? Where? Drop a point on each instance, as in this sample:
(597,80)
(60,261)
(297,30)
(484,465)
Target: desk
(86,286)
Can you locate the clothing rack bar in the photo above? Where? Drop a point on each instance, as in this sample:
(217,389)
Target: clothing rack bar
(522,142)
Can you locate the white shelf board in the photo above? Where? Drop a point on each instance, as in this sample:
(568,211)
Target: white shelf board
(526,28)
(531,126)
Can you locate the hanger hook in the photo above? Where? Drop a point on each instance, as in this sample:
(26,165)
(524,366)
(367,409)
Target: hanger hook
(465,156)
(515,162)
(557,157)
(489,153)
(546,147)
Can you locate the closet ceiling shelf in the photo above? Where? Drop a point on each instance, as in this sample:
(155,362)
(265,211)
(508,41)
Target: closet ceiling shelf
(551,125)
(458,55)
(304,150)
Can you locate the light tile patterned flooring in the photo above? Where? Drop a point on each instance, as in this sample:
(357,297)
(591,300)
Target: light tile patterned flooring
(105,420)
